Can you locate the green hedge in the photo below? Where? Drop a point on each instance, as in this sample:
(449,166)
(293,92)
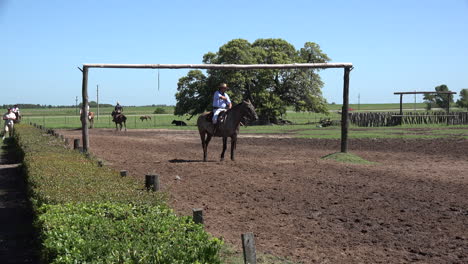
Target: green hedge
(123,233)
(90,214)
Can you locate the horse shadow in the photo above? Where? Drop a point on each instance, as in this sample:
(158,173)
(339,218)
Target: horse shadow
(185,161)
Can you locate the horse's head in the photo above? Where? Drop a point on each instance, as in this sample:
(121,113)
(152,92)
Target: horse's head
(249,110)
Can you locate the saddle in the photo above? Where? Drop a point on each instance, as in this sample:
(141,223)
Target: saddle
(115,114)
(221,117)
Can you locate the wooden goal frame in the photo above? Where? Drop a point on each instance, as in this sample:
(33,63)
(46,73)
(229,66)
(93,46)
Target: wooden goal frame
(344,113)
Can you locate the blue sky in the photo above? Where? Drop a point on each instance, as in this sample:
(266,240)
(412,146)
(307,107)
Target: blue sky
(401,45)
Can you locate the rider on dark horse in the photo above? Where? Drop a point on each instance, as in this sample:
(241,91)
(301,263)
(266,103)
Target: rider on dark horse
(221,103)
(16,111)
(118,109)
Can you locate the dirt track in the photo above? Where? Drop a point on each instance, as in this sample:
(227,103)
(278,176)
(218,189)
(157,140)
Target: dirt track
(410,207)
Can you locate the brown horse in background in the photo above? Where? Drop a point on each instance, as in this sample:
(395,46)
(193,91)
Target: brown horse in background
(228,128)
(119,119)
(145,117)
(90,119)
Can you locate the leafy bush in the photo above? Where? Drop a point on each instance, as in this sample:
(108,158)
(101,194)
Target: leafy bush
(159,110)
(90,214)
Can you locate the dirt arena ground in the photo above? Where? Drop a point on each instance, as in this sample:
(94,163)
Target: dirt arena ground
(412,206)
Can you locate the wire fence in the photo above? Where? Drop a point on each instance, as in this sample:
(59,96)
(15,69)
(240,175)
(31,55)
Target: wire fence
(146,121)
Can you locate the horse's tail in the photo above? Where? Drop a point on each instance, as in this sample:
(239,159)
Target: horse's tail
(203,123)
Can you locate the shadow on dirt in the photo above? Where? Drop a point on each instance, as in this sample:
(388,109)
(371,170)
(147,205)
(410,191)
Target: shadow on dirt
(185,161)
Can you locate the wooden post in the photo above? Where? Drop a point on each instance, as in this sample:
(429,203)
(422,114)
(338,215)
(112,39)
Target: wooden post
(401,109)
(248,246)
(449,96)
(123,173)
(344,111)
(76,144)
(152,182)
(97,101)
(84,111)
(197,215)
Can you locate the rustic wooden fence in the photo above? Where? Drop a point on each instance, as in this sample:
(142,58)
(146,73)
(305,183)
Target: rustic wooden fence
(378,119)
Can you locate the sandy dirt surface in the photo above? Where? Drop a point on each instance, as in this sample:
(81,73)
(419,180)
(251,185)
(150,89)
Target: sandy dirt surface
(411,206)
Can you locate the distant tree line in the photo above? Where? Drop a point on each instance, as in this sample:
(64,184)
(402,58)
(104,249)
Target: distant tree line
(29,106)
(94,104)
(91,104)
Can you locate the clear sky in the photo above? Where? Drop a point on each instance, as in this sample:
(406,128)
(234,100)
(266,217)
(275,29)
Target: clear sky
(395,46)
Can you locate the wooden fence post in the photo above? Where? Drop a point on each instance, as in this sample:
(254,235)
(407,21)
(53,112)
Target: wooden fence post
(248,246)
(152,182)
(344,111)
(76,144)
(197,215)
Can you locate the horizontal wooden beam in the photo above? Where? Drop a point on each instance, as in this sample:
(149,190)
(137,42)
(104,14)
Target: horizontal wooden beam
(432,92)
(423,115)
(223,66)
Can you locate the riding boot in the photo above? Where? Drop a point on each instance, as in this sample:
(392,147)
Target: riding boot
(215,128)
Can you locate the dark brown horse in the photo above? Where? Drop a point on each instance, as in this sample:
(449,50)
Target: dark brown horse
(119,119)
(228,128)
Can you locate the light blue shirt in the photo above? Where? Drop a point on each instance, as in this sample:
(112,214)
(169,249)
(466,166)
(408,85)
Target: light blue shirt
(220,103)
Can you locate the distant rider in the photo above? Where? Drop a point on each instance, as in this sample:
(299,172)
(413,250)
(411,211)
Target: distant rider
(118,109)
(17,113)
(9,118)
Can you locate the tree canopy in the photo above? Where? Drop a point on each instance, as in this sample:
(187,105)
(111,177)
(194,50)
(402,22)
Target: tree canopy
(271,90)
(440,100)
(463,101)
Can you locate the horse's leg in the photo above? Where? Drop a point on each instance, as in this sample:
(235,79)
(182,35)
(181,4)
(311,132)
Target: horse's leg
(224,148)
(125,125)
(204,146)
(207,141)
(233,145)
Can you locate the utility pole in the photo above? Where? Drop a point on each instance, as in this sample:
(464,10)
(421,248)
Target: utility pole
(415,101)
(97,99)
(76,106)
(359,101)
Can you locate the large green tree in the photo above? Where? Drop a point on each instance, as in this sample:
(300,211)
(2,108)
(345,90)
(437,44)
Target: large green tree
(463,101)
(271,91)
(441,100)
